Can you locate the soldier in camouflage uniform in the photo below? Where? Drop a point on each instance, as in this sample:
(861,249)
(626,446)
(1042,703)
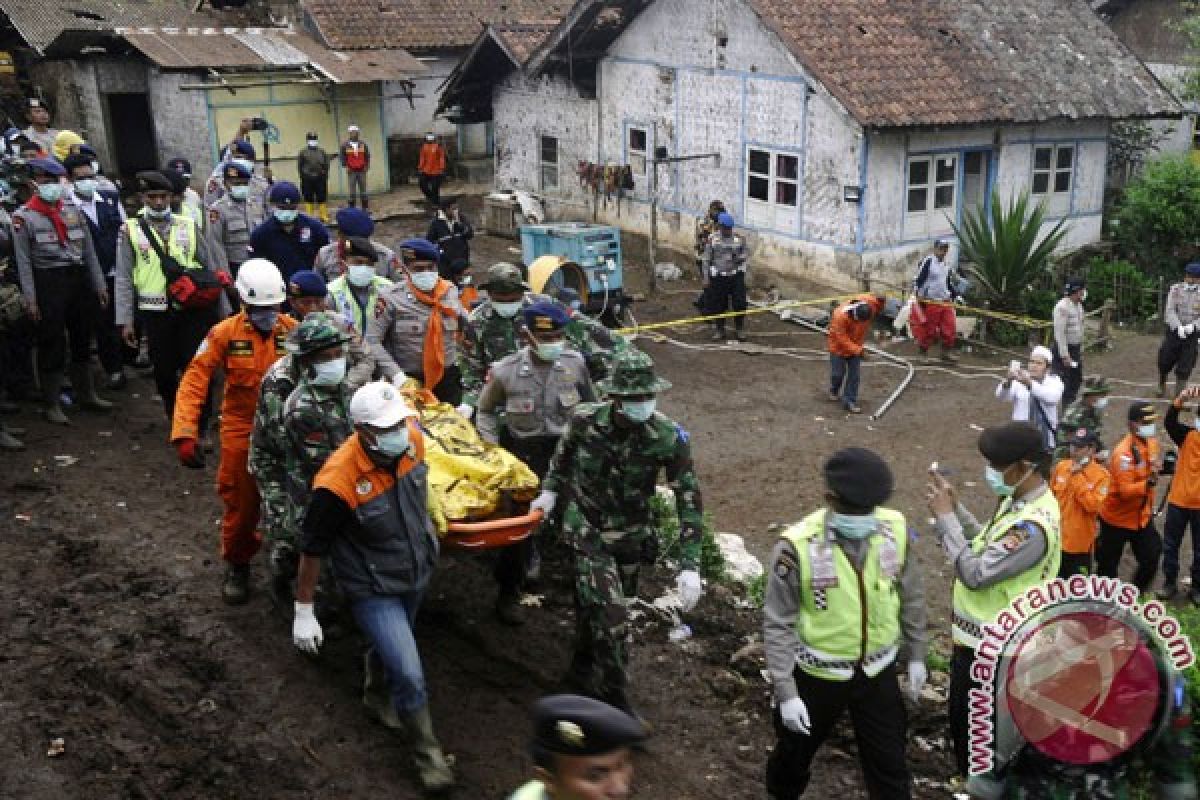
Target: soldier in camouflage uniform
(604,469)
(1086,412)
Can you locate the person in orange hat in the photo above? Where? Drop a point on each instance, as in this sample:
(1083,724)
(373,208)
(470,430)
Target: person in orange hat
(1080,484)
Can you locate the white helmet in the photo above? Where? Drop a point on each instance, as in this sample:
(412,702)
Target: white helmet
(260,284)
(379,405)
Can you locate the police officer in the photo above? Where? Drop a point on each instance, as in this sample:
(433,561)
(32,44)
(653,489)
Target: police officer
(232,218)
(581,750)
(241,153)
(1019,547)
(1181,316)
(63,285)
(191,198)
(539,387)
(605,468)
(179,190)
(1068,337)
(414,329)
(351,223)
(355,292)
(289,240)
(1086,412)
(842,598)
(725,275)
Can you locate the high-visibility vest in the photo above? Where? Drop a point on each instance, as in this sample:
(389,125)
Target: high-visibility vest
(149,280)
(846,618)
(343,299)
(974,608)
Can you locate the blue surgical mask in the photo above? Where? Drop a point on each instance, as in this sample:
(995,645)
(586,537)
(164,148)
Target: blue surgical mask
(638,410)
(156,214)
(85,187)
(507,310)
(286,216)
(853,526)
(360,275)
(995,481)
(244,162)
(425,281)
(263,319)
(550,351)
(239,192)
(1147,431)
(50,192)
(393,443)
(329,373)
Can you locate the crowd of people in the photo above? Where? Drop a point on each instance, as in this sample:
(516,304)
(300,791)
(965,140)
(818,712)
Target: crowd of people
(324,351)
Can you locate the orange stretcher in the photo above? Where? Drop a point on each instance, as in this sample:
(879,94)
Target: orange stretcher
(492,533)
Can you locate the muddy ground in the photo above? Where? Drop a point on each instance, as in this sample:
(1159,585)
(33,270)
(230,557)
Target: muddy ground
(116,641)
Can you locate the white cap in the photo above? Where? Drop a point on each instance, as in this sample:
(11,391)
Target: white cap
(352,129)
(1042,353)
(380,405)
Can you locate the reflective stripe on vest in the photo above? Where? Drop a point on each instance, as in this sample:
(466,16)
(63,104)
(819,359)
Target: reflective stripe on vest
(974,608)
(343,299)
(149,280)
(847,621)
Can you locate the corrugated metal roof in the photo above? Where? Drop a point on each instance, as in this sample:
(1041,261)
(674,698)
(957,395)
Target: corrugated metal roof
(40,22)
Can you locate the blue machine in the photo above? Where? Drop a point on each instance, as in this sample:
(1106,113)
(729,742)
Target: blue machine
(596,249)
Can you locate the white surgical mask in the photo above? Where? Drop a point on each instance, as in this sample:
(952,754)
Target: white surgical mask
(507,310)
(329,373)
(639,410)
(550,351)
(286,216)
(50,192)
(852,526)
(360,275)
(1147,431)
(393,443)
(1101,404)
(425,281)
(239,192)
(85,187)
(312,143)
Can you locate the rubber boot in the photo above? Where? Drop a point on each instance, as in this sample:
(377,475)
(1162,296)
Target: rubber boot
(236,588)
(52,397)
(308,208)
(433,768)
(85,389)
(8,441)
(323,212)
(375,697)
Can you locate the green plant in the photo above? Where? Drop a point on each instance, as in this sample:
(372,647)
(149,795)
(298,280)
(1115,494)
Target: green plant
(756,592)
(1158,223)
(1007,249)
(666,524)
(937,661)
(1132,292)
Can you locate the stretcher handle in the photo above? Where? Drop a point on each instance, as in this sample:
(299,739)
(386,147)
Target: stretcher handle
(504,523)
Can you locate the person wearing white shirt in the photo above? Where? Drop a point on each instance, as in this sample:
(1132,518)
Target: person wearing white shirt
(1035,393)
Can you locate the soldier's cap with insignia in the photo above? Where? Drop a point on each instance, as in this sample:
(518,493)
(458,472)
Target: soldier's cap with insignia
(1005,445)
(179,183)
(1142,411)
(361,247)
(545,317)
(574,725)
(725,219)
(235,170)
(417,249)
(632,374)
(354,222)
(1096,384)
(860,477)
(306,283)
(153,181)
(1084,437)
(1192,268)
(35,102)
(504,277)
(316,332)
(284,192)
(46,166)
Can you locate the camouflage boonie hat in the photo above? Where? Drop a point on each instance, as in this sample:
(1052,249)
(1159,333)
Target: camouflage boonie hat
(633,374)
(1096,384)
(504,277)
(316,332)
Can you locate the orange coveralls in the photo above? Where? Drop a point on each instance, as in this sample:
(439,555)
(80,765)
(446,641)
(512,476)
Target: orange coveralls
(1080,496)
(235,346)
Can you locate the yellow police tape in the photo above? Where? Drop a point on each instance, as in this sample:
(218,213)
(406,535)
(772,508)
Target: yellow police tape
(1016,319)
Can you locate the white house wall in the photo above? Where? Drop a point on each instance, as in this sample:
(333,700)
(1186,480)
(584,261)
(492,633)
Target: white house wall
(403,120)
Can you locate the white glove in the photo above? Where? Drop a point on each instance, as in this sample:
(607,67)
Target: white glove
(1184,331)
(544,501)
(466,410)
(306,631)
(399,379)
(917,676)
(690,589)
(795,715)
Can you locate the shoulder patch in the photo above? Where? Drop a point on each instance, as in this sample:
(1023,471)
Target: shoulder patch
(214,216)
(683,435)
(1016,536)
(363,487)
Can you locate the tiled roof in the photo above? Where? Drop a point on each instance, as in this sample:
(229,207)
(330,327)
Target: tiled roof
(522,39)
(900,63)
(419,24)
(40,22)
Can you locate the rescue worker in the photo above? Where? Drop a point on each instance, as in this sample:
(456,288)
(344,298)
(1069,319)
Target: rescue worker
(373,515)
(431,169)
(174,333)
(1080,483)
(415,327)
(842,599)
(312,167)
(1086,412)
(848,329)
(725,276)
(1019,547)
(355,293)
(937,320)
(244,346)
(63,284)
(289,240)
(604,468)
(581,750)
(538,387)
(1068,319)
(104,215)
(1181,316)
(351,223)
(39,131)
(356,160)
(232,218)
(452,233)
(1127,514)
(1183,498)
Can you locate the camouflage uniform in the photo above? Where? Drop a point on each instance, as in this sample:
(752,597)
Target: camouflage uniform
(604,470)
(1081,415)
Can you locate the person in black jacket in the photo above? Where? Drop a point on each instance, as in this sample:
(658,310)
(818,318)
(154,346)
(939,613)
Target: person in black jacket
(452,233)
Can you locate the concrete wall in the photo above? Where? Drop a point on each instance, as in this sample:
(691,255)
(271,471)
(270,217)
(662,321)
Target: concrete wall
(181,120)
(407,121)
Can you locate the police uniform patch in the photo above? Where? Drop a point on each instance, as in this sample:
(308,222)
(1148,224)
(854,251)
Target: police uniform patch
(18,222)
(1014,539)
(784,565)
(306,235)
(363,487)
(214,216)
(380,307)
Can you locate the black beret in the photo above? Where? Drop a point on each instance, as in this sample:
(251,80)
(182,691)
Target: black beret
(76,160)
(361,246)
(153,181)
(1011,442)
(1084,437)
(573,725)
(859,476)
(179,183)
(1141,411)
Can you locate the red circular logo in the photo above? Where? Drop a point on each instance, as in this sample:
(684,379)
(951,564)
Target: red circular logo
(1083,688)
